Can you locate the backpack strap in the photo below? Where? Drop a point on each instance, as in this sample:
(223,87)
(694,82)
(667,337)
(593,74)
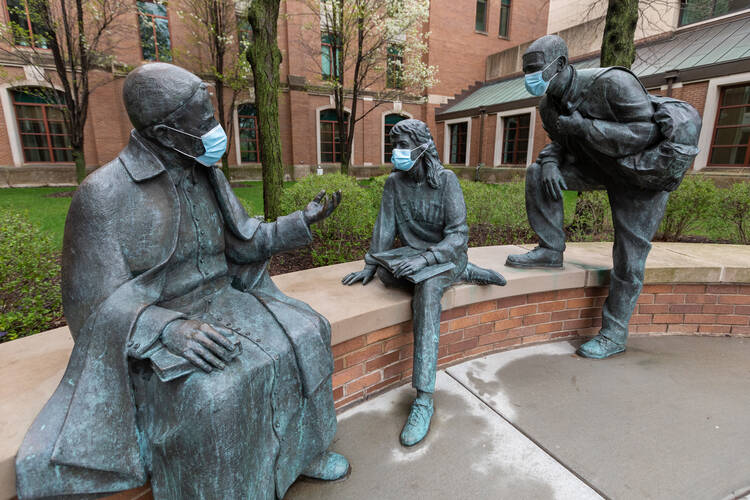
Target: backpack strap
(573,106)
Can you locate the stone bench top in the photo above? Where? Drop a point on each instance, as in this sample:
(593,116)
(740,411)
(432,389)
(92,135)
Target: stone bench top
(31,367)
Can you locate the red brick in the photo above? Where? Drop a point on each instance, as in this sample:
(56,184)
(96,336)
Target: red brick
(481,307)
(689,288)
(722,289)
(511,301)
(541,296)
(557,305)
(454,313)
(718,309)
(338,393)
(535,319)
(461,323)
(641,319)
(734,299)
(361,383)
(492,338)
(700,318)
(363,355)
(347,375)
(522,310)
(348,400)
(580,303)
(682,328)
(742,309)
(522,331)
(504,344)
(480,349)
(450,338)
(701,299)
(668,318)
(382,361)
(669,298)
(338,364)
(535,338)
(568,333)
(651,328)
(383,333)
(570,293)
(549,327)
(653,308)
(450,359)
(740,330)
(385,383)
(462,346)
(714,328)
(729,319)
(657,288)
(397,369)
(567,314)
(684,308)
(507,324)
(645,298)
(598,291)
(396,342)
(481,329)
(494,316)
(407,351)
(591,312)
(574,324)
(348,346)
(445,326)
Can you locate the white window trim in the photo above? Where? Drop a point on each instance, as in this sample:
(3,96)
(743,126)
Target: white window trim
(317,128)
(709,114)
(447,139)
(237,149)
(498,158)
(382,127)
(9,114)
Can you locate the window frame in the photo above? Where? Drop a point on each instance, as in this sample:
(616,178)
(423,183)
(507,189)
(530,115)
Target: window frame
(318,127)
(333,52)
(50,148)
(516,141)
(716,127)
(504,4)
(683,5)
(500,135)
(447,140)
(138,15)
(29,27)
(386,137)
(476,16)
(394,51)
(239,129)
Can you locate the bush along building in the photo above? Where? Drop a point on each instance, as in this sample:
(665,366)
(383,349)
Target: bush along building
(36,139)
(697,51)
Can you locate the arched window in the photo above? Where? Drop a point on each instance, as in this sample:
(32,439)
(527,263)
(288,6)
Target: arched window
(248,126)
(41,125)
(330,146)
(390,121)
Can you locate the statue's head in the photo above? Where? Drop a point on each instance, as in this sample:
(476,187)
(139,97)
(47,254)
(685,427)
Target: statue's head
(414,135)
(545,58)
(172,107)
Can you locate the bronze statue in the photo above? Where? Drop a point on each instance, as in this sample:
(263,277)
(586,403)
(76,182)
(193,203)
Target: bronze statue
(423,205)
(607,133)
(189,367)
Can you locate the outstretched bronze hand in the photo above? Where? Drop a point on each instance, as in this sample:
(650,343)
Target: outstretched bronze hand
(321,207)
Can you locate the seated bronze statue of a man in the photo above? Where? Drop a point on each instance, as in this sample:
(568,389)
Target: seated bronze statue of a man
(423,205)
(189,367)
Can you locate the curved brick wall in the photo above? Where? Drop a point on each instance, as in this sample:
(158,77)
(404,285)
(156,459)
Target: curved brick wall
(381,359)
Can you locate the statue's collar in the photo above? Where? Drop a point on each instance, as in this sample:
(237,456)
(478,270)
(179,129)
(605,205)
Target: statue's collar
(139,160)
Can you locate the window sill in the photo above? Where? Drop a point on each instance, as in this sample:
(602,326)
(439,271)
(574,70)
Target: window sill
(480,32)
(501,37)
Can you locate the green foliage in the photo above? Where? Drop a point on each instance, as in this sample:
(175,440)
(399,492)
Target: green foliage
(30,299)
(496,213)
(694,201)
(734,205)
(592,220)
(345,235)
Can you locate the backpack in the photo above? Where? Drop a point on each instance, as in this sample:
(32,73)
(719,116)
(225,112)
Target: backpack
(663,166)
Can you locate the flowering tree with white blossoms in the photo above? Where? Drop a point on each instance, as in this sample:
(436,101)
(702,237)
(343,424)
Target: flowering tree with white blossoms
(373,47)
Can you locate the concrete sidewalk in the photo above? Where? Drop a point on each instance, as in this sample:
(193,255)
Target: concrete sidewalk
(668,419)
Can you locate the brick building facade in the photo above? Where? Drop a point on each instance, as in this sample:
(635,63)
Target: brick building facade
(462,35)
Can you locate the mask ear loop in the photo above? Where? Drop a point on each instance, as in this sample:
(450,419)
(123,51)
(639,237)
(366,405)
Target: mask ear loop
(184,133)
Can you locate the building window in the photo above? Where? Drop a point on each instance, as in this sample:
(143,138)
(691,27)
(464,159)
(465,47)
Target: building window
(26,25)
(481,18)
(390,121)
(731,140)
(328,51)
(394,69)
(248,127)
(504,18)
(41,126)
(156,44)
(330,145)
(515,139)
(693,11)
(458,143)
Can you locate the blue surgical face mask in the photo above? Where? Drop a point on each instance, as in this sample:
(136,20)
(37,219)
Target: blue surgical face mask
(214,142)
(401,158)
(535,82)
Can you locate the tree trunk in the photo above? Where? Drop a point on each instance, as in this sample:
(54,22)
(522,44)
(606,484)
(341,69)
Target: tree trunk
(618,45)
(80,160)
(223,122)
(265,58)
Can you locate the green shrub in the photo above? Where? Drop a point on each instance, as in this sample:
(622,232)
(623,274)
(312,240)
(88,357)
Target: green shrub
(592,220)
(496,213)
(734,205)
(689,205)
(30,299)
(344,236)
